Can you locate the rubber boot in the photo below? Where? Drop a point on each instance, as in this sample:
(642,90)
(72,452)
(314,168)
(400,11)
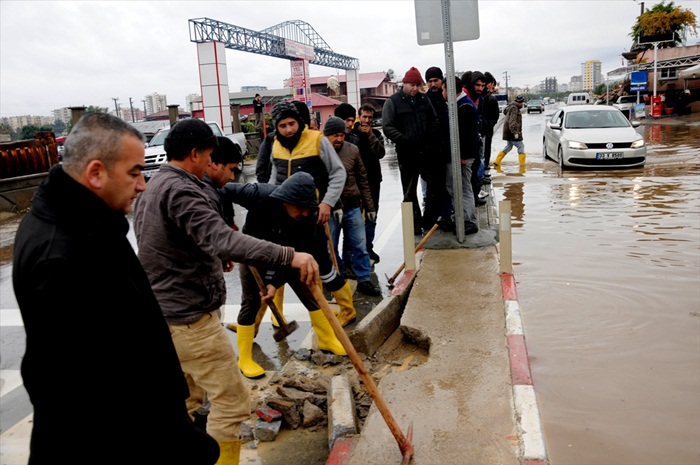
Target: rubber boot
(500,156)
(248,367)
(521,158)
(258,319)
(229,452)
(347,309)
(326,337)
(278,299)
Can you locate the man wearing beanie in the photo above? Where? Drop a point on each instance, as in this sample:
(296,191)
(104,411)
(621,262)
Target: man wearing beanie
(409,120)
(295,148)
(356,197)
(182,240)
(347,113)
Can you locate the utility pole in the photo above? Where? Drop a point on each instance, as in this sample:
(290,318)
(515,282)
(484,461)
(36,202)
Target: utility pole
(144,108)
(116,108)
(505,75)
(131,105)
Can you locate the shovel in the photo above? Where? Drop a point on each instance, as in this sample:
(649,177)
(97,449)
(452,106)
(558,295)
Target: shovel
(285,328)
(404,441)
(418,247)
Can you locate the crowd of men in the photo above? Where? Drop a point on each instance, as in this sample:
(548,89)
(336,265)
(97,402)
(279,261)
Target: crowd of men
(170,349)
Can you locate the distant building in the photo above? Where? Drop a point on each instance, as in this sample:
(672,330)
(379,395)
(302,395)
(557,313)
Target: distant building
(253,88)
(156,103)
(18,122)
(591,75)
(62,114)
(190,99)
(576,84)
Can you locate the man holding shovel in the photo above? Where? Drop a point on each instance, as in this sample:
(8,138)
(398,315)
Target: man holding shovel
(286,215)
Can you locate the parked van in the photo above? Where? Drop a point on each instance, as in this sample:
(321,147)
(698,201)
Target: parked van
(578,98)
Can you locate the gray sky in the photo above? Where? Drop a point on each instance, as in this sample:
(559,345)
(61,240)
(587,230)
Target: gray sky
(57,54)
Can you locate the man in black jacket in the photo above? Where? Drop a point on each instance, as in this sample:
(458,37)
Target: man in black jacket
(409,120)
(491,114)
(75,274)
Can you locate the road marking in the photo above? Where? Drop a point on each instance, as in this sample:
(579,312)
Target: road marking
(11,317)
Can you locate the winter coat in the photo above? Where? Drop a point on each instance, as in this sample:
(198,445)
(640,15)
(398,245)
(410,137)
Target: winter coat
(513,123)
(411,123)
(315,155)
(356,193)
(98,350)
(491,113)
(371,150)
(182,240)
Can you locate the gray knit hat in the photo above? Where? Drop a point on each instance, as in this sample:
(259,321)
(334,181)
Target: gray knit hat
(334,125)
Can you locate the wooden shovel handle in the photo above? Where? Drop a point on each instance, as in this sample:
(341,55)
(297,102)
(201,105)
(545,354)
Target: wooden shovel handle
(418,247)
(404,444)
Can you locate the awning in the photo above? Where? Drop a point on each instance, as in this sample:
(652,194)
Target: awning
(690,73)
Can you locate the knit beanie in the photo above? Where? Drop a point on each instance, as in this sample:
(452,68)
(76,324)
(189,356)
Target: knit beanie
(412,76)
(345,111)
(334,125)
(303,110)
(298,189)
(478,76)
(284,110)
(433,72)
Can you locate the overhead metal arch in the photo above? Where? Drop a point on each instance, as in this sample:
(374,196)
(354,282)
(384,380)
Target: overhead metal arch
(272,41)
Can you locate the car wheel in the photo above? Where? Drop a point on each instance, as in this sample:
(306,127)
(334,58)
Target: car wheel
(560,155)
(544,149)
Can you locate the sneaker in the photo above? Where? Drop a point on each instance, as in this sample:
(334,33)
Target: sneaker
(373,256)
(480,202)
(470,229)
(368,288)
(483,194)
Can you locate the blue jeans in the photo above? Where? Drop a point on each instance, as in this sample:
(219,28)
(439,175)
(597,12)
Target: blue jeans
(353,228)
(518,144)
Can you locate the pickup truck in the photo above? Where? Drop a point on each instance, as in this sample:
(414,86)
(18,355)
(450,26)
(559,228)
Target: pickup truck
(155,149)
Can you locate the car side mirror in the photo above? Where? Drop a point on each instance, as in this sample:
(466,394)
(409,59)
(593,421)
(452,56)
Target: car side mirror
(552,125)
(635,124)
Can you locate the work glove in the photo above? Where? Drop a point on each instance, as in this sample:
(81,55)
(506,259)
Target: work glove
(371,217)
(338,215)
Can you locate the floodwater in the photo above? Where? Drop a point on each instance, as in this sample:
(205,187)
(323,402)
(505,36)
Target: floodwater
(607,265)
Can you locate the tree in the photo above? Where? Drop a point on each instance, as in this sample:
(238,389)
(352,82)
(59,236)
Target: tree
(665,19)
(28,131)
(59,126)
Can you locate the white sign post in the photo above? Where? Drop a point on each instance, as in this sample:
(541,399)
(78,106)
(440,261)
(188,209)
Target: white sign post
(435,26)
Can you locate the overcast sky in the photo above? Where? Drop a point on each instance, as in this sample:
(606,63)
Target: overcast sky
(57,54)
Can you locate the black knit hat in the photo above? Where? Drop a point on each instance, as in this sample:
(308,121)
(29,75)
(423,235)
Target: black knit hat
(303,110)
(478,76)
(433,72)
(284,110)
(298,189)
(345,111)
(188,134)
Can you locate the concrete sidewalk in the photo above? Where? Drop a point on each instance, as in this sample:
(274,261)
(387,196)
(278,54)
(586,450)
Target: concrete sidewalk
(464,402)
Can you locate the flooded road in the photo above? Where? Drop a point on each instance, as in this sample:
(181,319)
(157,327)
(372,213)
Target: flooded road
(607,265)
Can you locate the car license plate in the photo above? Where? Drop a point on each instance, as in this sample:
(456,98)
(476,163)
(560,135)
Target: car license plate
(609,156)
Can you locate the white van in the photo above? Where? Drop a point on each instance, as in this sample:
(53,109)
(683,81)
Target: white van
(578,98)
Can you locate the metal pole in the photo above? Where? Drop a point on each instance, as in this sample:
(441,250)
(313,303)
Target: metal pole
(131,106)
(655,47)
(457,200)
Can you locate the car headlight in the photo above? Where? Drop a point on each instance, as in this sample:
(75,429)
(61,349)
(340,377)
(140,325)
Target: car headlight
(637,144)
(577,145)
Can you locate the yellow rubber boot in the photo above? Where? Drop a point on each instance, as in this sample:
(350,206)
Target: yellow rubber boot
(248,367)
(258,319)
(521,158)
(347,308)
(326,336)
(278,299)
(500,156)
(229,452)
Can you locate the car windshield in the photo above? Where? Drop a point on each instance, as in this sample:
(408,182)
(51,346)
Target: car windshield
(159,138)
(534,103)
(595,119)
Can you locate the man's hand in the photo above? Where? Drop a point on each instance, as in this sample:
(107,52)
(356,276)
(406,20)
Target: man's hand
(270,293)
(338,215)
(365,129)
(228,266)
(324,213)
(307,266)
(516,136)
(371,217)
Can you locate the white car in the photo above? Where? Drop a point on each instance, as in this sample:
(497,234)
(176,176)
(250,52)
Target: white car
(593,136)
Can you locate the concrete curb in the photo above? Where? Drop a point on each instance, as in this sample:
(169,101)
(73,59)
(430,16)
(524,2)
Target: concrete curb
(527,415)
